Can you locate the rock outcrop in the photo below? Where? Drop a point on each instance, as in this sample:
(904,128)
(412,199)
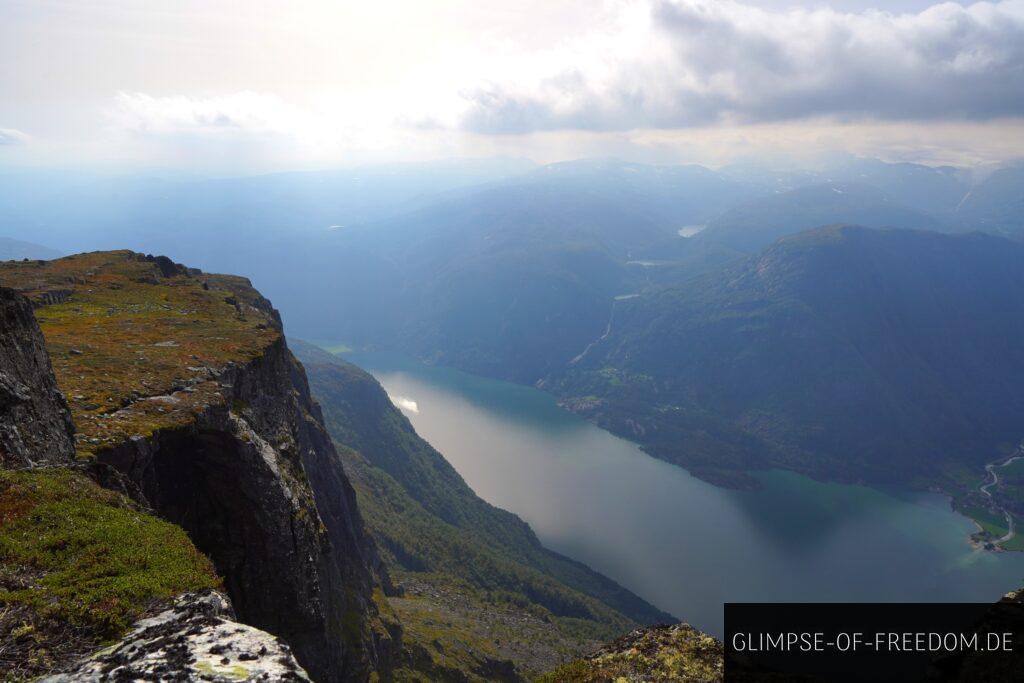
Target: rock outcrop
(196,638)
(675,652)
(183,391)
(261,491)
(35,425)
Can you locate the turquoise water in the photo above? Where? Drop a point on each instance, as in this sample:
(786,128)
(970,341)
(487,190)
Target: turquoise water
(682,544)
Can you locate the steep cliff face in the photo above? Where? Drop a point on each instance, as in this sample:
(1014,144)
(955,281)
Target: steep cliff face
(35,426)
(182,383)
(262,493)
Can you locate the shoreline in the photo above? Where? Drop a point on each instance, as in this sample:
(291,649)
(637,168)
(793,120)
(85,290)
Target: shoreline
(996,544)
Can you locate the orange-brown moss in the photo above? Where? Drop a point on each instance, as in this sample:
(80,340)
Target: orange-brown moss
(131,339)
(657,653)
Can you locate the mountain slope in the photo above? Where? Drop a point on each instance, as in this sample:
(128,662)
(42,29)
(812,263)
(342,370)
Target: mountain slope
(844,352)
(186,217)
(15,250)
(434,530)
(509,279)
(507,282)
(752,225)
(996,204)
(759,222)
(929,189)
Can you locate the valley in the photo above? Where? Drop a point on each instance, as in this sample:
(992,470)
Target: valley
(511,341)
(683,544)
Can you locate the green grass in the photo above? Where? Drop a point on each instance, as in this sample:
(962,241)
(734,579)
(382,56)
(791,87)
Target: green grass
(84,556)
(992,523)
(1017,542)
(452,626)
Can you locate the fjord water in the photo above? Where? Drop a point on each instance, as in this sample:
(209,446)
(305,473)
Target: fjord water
(682,544)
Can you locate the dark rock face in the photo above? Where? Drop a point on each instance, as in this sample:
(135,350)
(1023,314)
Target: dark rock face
(197,638)
(260,489)
(35,425)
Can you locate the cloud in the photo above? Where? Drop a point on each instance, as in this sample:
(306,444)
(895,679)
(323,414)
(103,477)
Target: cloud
(10,137)
(405,403)
(247,113)
(225,133)
(688,63)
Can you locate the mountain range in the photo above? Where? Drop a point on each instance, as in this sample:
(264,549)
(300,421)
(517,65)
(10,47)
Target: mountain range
(844,352)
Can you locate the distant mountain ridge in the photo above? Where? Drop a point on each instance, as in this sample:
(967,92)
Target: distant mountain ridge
(757,223)
(502,268)
(842,352)
(754,224)
(996,204)
(16,250)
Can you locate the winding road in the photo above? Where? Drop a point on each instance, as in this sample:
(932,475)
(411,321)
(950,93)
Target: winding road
(984,488)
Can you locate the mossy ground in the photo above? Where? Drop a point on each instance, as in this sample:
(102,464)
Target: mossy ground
(661,653)
(120,331)
(452,626)
(77,564)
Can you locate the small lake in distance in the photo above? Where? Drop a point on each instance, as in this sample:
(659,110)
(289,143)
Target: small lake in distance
(682,544)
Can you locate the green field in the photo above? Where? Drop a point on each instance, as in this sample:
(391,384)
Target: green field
(996,526)
(992,523)
(1016,543)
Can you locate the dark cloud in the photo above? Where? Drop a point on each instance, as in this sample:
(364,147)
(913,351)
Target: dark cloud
(704,62)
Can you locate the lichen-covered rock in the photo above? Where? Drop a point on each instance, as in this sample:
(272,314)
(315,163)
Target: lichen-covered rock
(35,425)
(197,638)
(648,655)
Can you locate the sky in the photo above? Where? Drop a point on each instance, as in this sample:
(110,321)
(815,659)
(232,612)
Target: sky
(223,86)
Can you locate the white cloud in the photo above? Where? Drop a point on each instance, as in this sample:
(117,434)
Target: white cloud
(684,63)
(405,403)
(401,80)
(9,136)
(242,112)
